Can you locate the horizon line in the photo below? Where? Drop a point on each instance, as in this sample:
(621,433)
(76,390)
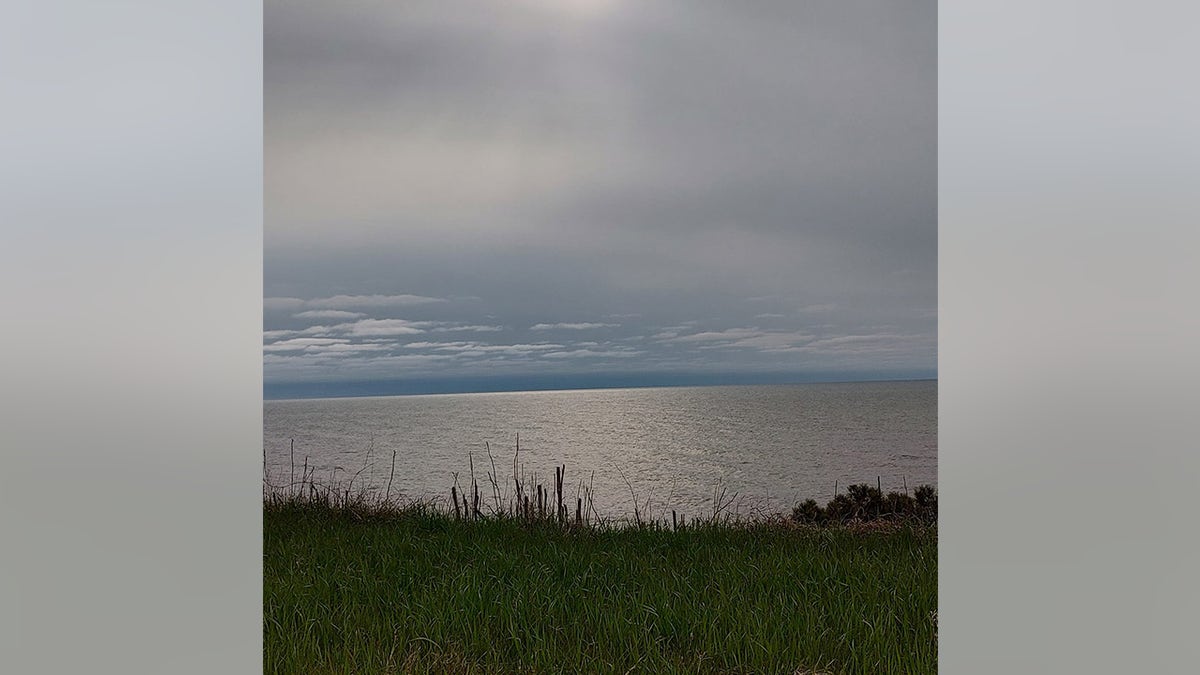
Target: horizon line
(548,388)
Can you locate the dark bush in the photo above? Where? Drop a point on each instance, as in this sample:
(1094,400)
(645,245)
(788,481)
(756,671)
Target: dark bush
(868,501)
(926,496)
(927,502)
(899,504)
(841,508)
(808,512)
(865,502)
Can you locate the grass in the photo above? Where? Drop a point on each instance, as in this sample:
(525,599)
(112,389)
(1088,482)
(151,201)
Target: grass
(354,587)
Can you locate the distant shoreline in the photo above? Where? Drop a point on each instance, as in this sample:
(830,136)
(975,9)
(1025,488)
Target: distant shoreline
(364,389)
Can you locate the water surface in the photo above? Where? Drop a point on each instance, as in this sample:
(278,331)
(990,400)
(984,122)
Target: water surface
(676,447)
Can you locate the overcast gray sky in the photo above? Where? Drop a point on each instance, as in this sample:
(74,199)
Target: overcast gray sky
(531,187)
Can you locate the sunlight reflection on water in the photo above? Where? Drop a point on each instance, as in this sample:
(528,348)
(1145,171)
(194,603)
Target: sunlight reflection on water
(772,445)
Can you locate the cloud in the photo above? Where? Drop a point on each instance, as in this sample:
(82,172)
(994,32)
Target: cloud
(772,340)
(471,328)
(682,174)
(347,349)
(328,314)
(590,353)
(667,332)
(301,344)
(433,345)
(376,327)
(274,335)
(745,338)
(883,343)
(482,348)
(313,368)
(348,301)
(402,300)
(722,335)
(371,327)
(572,326)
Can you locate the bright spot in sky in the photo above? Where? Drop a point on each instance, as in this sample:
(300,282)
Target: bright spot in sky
(578,8)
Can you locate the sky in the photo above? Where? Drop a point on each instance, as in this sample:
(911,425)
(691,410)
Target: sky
(556,193)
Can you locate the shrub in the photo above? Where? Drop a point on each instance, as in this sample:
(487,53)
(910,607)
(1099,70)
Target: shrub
(808,512)
(899,504)
(867,503)
(927,502)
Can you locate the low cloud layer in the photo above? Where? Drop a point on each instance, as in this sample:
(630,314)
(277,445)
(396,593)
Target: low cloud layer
(572,326)
(652,187)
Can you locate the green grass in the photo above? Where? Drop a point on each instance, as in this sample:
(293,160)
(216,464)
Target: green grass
(419,591)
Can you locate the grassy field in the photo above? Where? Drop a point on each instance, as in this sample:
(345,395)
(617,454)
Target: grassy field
(421,591)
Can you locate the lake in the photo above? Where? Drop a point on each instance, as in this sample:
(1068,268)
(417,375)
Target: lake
(674,448)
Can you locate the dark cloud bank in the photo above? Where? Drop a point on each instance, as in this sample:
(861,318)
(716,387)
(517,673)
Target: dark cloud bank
(534,194)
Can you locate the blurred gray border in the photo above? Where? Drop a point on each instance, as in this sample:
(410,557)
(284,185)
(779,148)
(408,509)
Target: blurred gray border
(130,268)
(131,276)
(1069,162)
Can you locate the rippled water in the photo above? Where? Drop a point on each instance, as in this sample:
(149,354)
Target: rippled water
(771,445)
